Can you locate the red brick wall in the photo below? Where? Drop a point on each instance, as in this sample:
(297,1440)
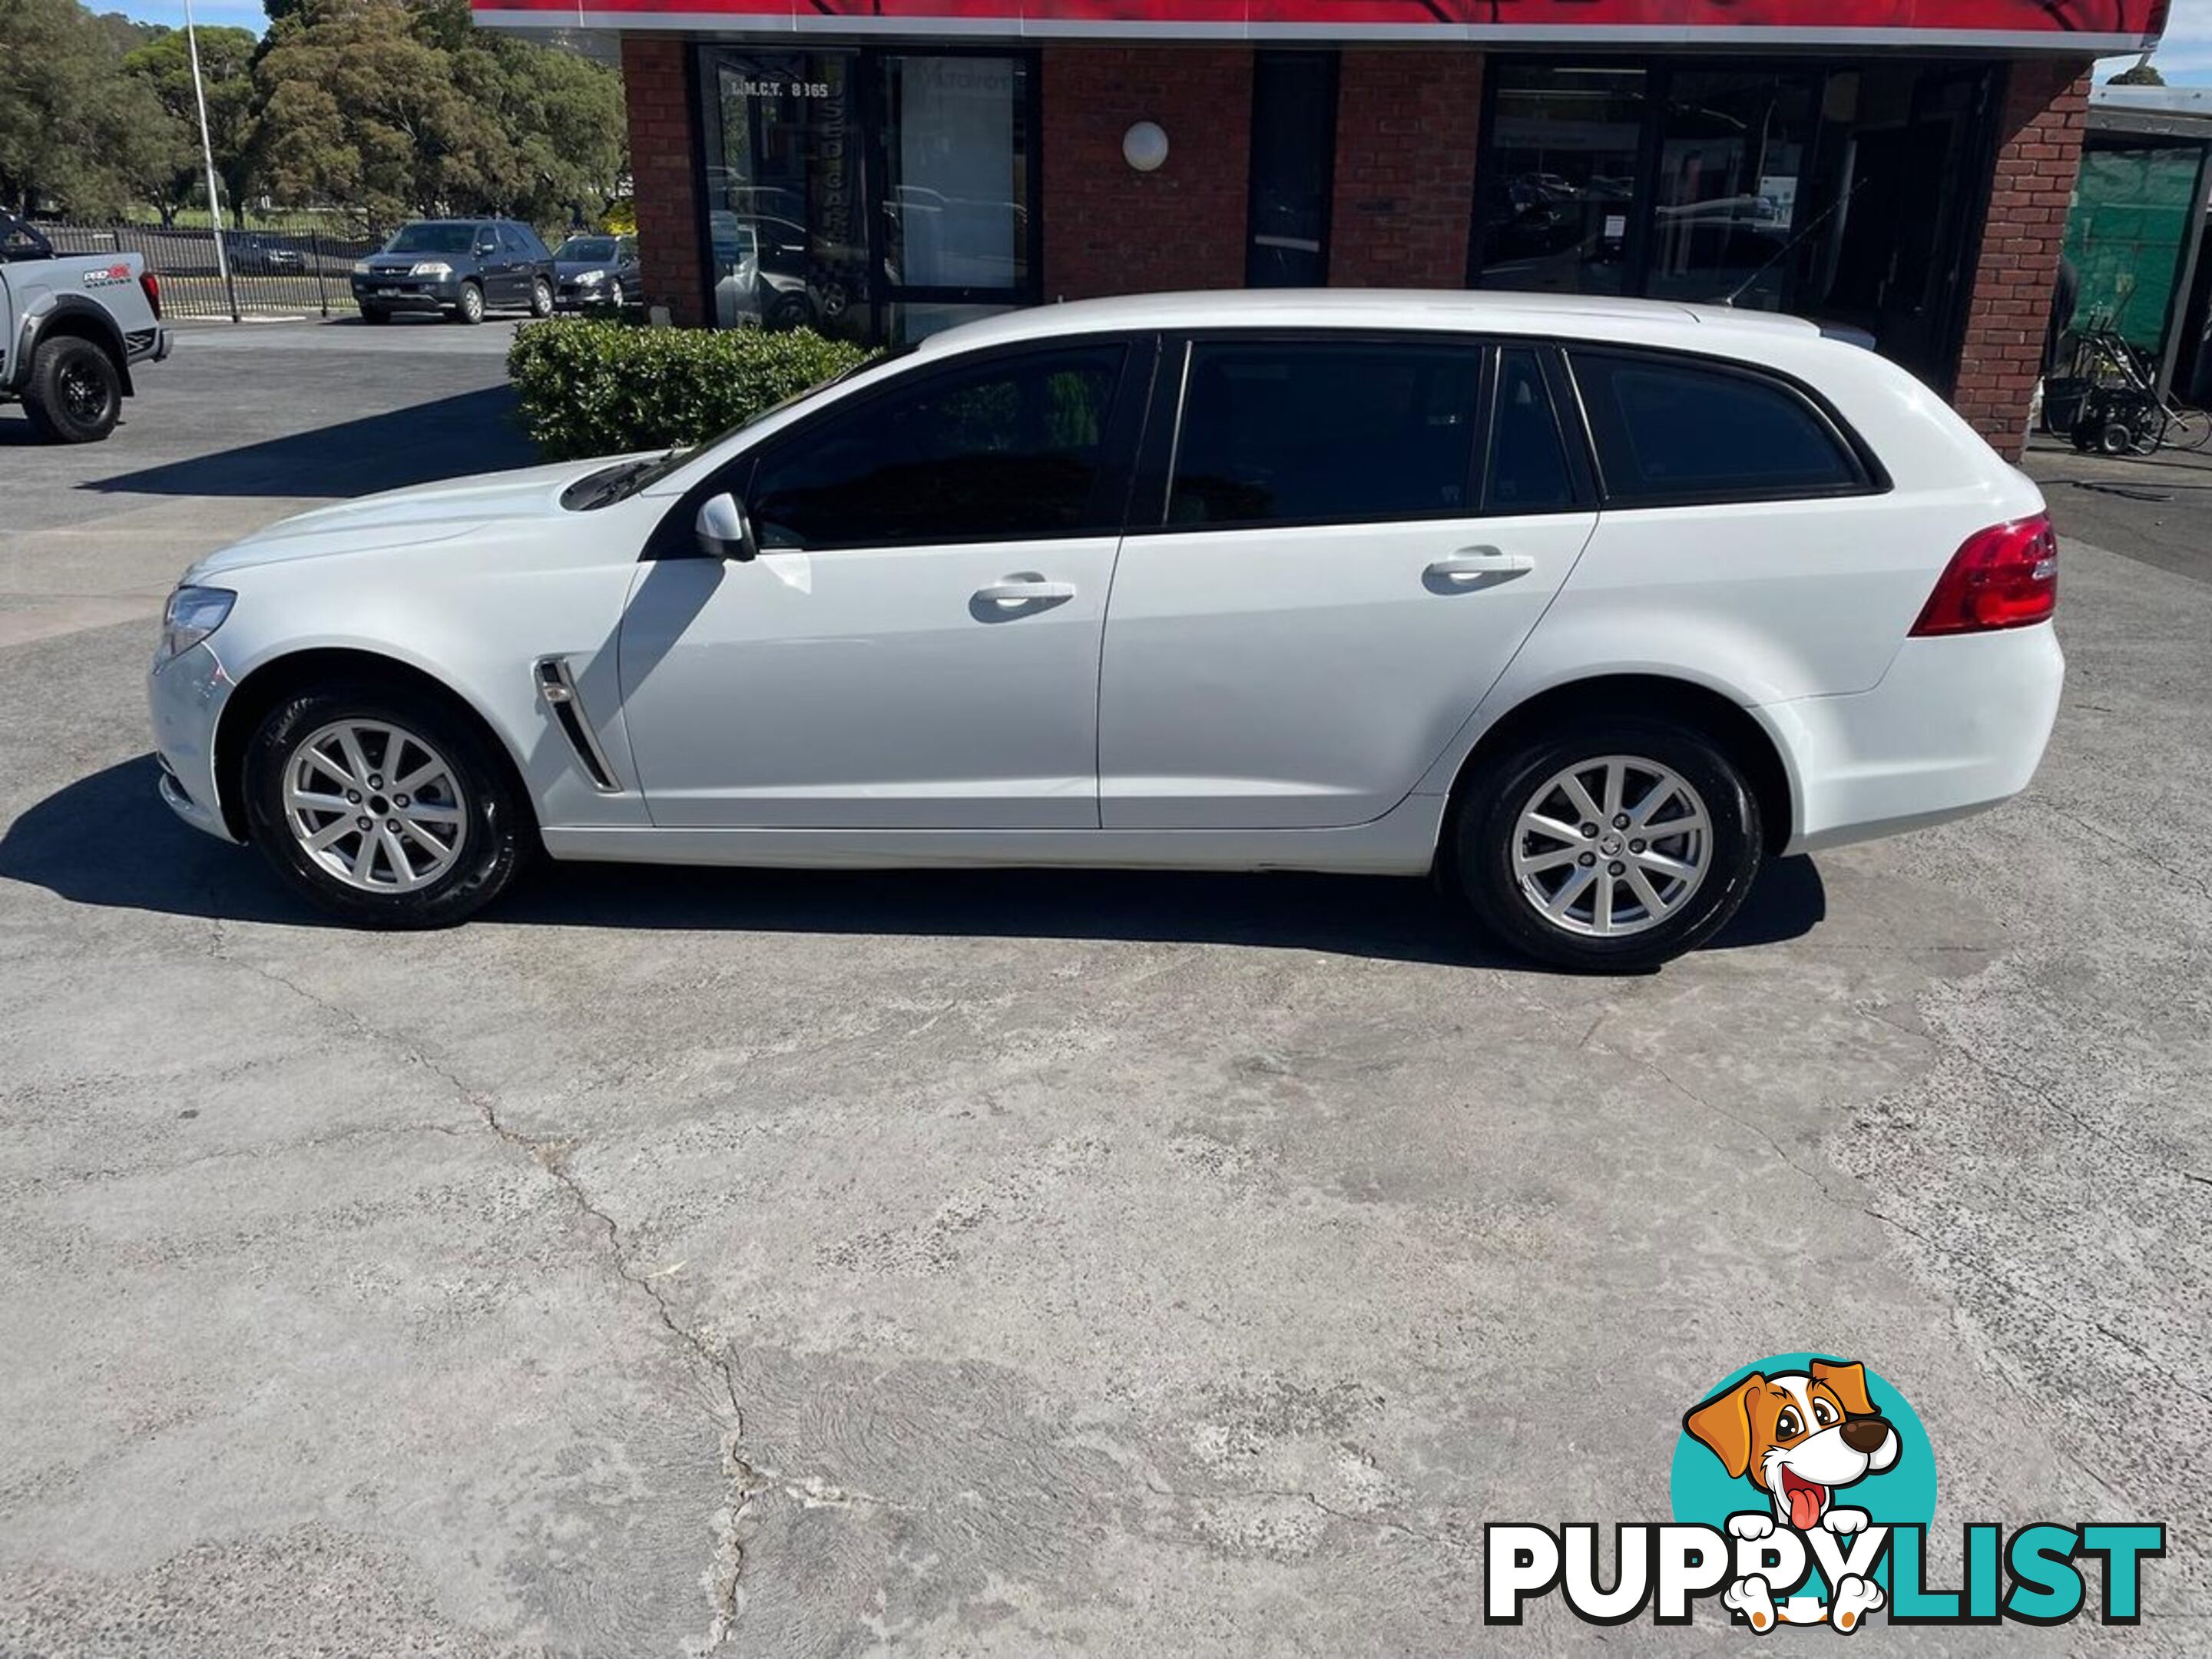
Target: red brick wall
(1406,129)
(1110,229)
(664,150)
(2039,146)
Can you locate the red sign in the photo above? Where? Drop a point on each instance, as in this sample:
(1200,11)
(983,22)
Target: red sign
(2083,26)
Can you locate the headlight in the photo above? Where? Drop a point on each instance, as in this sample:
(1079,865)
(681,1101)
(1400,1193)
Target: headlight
(431,268)
(591,278)
(193,614)
(361,267)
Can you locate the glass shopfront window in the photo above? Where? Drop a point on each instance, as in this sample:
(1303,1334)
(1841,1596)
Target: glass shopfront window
(873,196)
(1559,179)
(1732,147)
(1842,191)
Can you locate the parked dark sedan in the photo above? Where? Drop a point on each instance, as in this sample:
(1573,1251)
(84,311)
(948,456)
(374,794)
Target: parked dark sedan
(595,270)
(462,267)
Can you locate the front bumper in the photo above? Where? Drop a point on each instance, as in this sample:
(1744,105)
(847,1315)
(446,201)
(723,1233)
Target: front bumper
(1956,726)
(575,296)
(408,293)
(186,695)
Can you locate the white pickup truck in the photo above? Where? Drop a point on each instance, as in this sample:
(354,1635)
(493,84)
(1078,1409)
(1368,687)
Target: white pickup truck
(70,328)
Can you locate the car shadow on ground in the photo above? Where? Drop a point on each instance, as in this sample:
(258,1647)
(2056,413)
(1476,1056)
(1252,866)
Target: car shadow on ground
(107,841)
(447,438)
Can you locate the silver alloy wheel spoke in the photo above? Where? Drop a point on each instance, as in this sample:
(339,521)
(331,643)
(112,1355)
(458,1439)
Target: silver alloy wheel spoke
(387,830)
(1592,863)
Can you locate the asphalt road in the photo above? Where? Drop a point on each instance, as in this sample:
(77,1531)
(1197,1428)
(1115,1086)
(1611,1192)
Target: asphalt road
(1013,1263)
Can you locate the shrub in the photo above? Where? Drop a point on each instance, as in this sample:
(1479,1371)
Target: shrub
(590,387)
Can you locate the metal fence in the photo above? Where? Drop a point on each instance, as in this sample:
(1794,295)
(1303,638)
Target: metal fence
(272,273)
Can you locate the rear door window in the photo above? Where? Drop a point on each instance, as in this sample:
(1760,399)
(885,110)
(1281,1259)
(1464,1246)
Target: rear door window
(1673,432)
(1528,469)
(1321,432)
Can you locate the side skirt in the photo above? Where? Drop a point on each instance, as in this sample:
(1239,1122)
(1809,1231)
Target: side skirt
(1402,842)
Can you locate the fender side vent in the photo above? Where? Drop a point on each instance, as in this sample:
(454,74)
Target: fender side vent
(558,687)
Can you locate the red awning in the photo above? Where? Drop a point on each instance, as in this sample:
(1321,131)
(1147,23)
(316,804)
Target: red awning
(2083,27)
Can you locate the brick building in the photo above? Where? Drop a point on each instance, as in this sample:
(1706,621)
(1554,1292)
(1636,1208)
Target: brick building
(882,168)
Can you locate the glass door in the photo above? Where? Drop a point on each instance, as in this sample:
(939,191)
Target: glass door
(872,196)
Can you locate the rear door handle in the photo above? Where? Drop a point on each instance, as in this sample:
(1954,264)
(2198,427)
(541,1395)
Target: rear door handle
(1471,564)
(1018,591)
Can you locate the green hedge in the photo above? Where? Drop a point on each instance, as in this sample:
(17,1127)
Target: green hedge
(598,387)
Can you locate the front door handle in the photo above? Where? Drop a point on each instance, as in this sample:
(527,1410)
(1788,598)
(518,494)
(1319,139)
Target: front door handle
(1471,564)
(1018,591)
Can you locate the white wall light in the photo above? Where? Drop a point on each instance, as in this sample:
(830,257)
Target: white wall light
(1145,147)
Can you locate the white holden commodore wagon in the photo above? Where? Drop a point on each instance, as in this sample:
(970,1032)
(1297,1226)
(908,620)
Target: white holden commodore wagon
(1587,607)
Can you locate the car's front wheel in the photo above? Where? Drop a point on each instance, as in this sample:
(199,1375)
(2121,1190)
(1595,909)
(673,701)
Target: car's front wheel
(615,295)
(470,308)
(384,806)
(1610,846)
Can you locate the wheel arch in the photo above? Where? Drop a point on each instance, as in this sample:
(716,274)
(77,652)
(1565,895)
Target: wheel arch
(1727,722)
(270,683)
(72,316)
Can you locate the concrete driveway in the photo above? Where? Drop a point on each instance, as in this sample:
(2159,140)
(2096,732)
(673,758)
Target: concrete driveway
(1015,1263)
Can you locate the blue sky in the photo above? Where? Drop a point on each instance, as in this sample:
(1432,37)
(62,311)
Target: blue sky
(2186,58)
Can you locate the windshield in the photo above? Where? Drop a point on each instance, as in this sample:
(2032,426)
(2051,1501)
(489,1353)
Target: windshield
(620,484)
(433,238)
(587,247)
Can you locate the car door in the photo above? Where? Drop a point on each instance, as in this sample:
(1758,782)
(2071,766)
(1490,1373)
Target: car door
(1349,537)
(916,644)
(515,270)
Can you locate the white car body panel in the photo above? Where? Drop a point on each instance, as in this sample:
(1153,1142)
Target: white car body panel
(869,689)
(1306,678)
(1289,698)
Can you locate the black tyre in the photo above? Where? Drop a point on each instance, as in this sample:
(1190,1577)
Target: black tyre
(472,306)
(541,298)
(1609,846)
(370,315)
(2115,438)
(385,806)
(74,394)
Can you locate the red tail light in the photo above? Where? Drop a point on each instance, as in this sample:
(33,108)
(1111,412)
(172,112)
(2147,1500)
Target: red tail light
(2006,576)
(152,284)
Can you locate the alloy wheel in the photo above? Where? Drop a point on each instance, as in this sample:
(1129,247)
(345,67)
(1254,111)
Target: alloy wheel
(1612,846)
(374,806)
(83,394)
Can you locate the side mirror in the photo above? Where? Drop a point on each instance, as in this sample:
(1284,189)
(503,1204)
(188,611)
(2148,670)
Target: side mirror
(724,531)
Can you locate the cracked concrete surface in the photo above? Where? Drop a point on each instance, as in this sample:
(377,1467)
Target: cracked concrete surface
(1001,1264)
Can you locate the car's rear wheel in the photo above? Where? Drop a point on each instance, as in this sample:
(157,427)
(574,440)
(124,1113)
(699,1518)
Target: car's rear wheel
(541,298)
(1610,846)
(384,806)
(470,308)
(75,395)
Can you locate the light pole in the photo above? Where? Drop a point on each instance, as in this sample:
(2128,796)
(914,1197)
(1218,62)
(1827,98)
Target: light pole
(206,155)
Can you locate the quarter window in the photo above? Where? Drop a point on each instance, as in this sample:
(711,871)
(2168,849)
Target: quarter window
(1293,433)
(1670,431)
(1007,450)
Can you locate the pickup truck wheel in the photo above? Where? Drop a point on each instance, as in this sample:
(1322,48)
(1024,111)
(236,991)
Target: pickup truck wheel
(75,395)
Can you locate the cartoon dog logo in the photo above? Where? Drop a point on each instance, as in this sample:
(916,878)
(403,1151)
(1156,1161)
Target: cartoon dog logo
(1799,1437)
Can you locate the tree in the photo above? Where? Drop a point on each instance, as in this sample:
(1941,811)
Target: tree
(164,64)
(2143,74)
(75,132)
(393,107)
